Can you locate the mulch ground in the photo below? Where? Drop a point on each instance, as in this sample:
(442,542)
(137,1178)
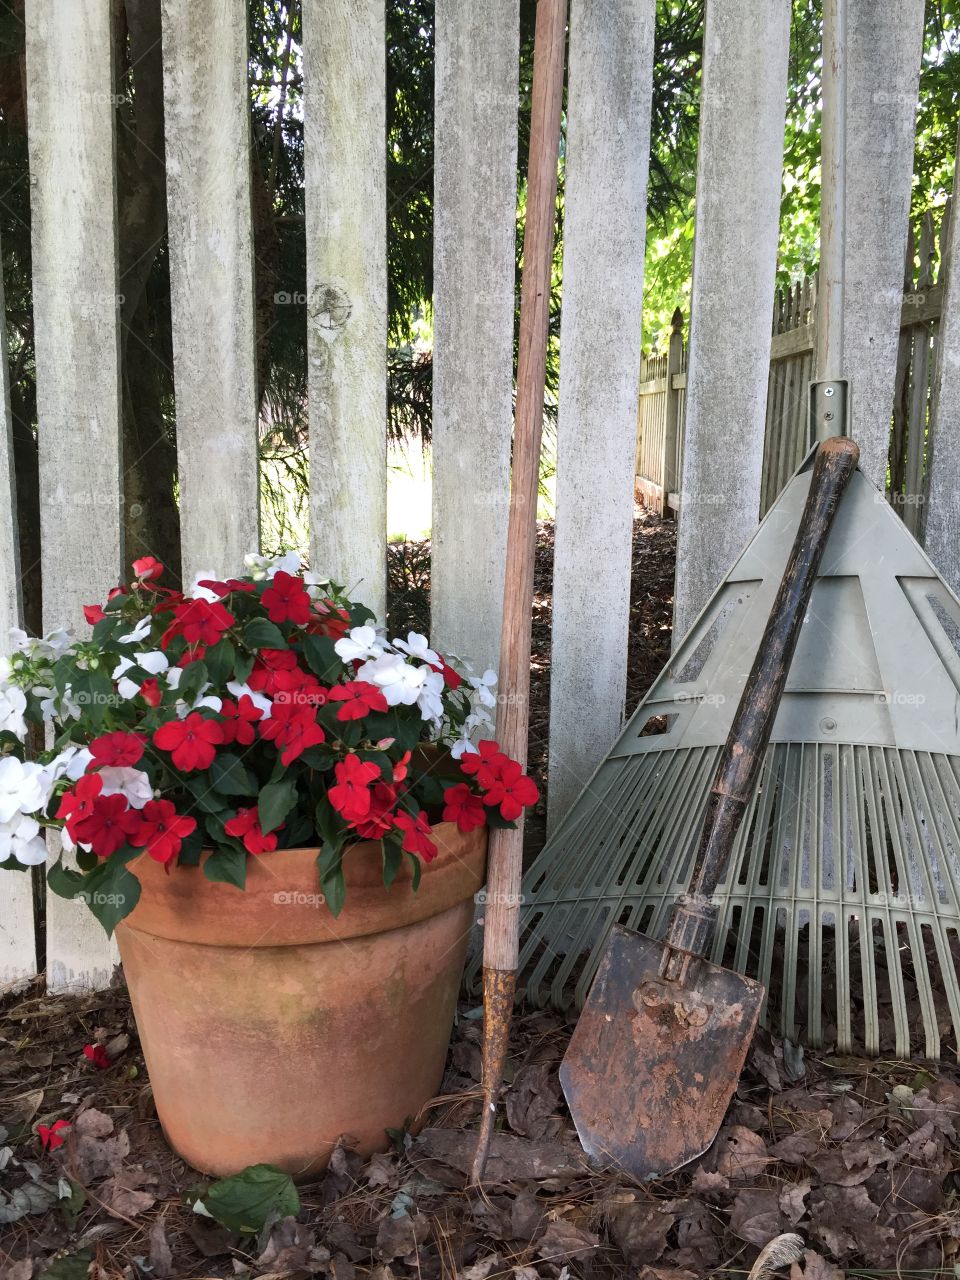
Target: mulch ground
(859,1159)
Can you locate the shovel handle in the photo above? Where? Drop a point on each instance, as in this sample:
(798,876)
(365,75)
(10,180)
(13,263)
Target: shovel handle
(690,931)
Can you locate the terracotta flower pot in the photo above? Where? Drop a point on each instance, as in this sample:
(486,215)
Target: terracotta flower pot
(271,1029)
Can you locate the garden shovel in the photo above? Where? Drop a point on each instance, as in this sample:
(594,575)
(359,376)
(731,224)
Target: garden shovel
(663,1035)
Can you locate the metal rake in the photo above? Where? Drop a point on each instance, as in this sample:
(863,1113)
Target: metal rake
(845,879)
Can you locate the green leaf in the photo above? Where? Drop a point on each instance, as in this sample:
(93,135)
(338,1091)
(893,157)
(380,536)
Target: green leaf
(416,869)
(220,660)
(392,860)
(194,677)
(330,864)
(227,866)
(231,777)
(64,881)
(110,890)
(72,1199)
(261,633)
(242,667)
(360,615)
(247,1200)
(275,802)
(322,658)
(202,789)
(328,823)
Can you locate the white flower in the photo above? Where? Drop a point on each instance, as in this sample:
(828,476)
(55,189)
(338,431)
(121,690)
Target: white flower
(258,699)
(430,699)
(484,687)
(173,677)
(20,836)
(461,747)
(268,566)
(22,788)
(59,640)
(203,699)
(70,763)
(138,633)
(197,592)
(400,682)
(362,643)
(54,707)
(153,661)
(123,781)
(317,587)
(13,703)
(418,646)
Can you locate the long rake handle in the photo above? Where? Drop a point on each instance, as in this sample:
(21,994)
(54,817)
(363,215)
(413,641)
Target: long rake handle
(502,911)
(691,927)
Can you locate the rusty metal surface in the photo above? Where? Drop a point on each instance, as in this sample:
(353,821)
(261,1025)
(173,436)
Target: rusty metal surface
(652,1064)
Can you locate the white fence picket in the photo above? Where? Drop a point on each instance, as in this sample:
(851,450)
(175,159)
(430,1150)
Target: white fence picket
(475,156)
(70,91)
(18,955)
(884,48)
(742,109)
(344,67)
(207,121)
(608,137)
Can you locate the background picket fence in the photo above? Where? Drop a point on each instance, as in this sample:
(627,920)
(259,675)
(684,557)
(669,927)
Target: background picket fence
(660,421)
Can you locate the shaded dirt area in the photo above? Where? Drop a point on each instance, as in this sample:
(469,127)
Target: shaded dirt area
(858,1158)
(651,614)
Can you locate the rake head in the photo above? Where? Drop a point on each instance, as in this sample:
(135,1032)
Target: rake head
(843,894)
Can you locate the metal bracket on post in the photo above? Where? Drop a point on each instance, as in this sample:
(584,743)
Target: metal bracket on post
(829,409)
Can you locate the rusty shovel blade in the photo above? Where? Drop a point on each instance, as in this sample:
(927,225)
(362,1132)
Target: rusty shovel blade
(652,1064)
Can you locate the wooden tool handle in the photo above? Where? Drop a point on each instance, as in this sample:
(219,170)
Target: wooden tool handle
(691,927)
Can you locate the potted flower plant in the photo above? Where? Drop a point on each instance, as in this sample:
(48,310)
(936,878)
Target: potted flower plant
(283,815)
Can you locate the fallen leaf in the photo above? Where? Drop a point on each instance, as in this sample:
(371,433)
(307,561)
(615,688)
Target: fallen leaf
(511,1157)
(533,1099)
(526,1216)
(755,1215)
(480,1269)
(160,1256)
(563,1240)
(399,1237)
(793,1201)
(815,1267)
(741,1154)
(640,1231)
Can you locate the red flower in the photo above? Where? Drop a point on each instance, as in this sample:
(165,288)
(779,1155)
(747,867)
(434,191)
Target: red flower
(328,619)
(193,742)
(452,679)
(286,599)
(224,588)
(512,790)
(379,820)
(96,1054)
(359,698)
(199,622)
(461,806)
(117,748)
(110,826)
(298,686)
(51,1136)
(119,590)
(162,830)
(93,614)
(147,567)
(77,804)
(350,796)
(239,719)
(400,769)
(294,728)
(246,826)
(268,662)
(150,692)
(484,763)
(416,835)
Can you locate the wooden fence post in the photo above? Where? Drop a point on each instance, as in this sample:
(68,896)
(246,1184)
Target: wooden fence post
(608,131)
(344,70)
(70,95)
(743,104)
(941,538)
(18,954)
(673,425)
(207,114)
(474,282)
(884,48)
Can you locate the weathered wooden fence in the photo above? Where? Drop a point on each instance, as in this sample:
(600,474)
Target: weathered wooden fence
(660,423)
(72,121)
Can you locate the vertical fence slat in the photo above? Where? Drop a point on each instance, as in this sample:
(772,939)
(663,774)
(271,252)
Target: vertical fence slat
(743,104)
(608,131)
(18,956)
(344,66)
(475,208)
(71,113)
(942,516)
(884,44)
(206,110)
